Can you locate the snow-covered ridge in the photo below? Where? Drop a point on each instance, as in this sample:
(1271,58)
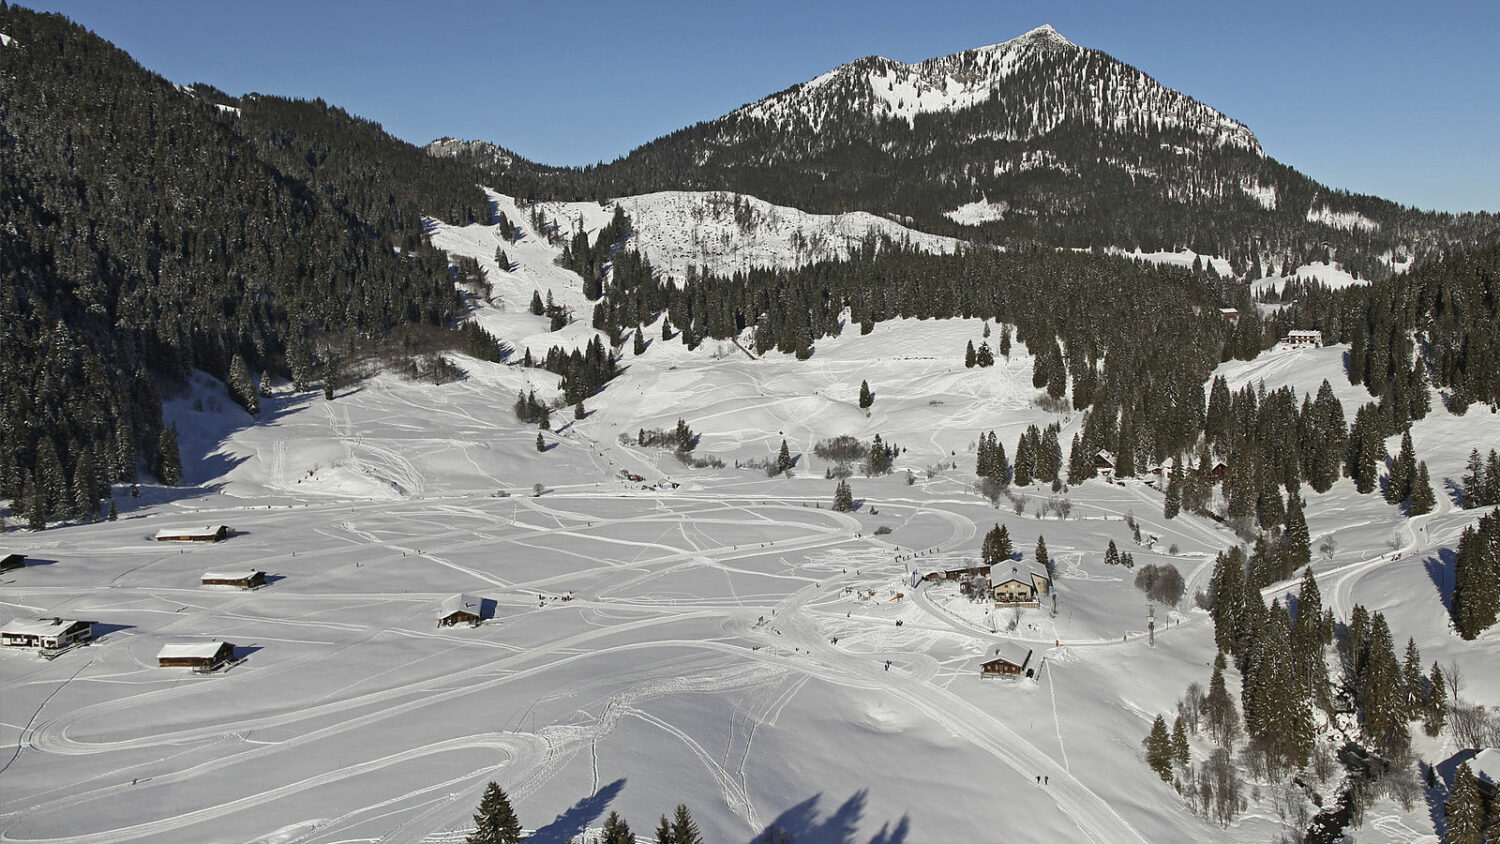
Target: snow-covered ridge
(1115,95)
(1346,220)
(480,152)
(729,232)
(978,213)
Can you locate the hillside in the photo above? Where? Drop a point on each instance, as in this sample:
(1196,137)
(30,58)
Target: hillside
(675,639)
(1035,139)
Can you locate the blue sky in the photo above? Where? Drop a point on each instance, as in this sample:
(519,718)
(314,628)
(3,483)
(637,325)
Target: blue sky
(1401,100)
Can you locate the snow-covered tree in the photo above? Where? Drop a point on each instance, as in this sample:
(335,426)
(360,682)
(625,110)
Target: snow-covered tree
(496,821)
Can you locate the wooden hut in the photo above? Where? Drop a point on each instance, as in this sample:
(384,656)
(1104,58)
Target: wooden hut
(207,533)
(1020,586)
(11,561)
(247,579)
(199,656)
(47,633)
(459,609)
(1010,660)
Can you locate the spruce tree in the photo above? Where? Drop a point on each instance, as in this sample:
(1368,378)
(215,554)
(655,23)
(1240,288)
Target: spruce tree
(496,821)
(1381,698)
(1436,712)
(969,359)
(616,830)
(171,460)
(114,514)
(866,398)
(1476,577)
(541,444)
(1172,501)
(537,308)
(1296,542)
(1413,681)
(1465,809)
(1403,472)
(1025,460)
(1423,500)
(1181,752)
(996,548)
(639,346)
(1041,555)
(783,465)
(1219,711)
(843,497)
(984,357)
(1112,554)
(1159,749)
(1228,597)
(242,386)
(684,830)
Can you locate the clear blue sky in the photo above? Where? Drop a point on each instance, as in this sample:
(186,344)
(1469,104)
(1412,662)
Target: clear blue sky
(1397,99)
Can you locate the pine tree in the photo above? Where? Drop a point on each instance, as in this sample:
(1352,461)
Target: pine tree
(996,548)
(1423,500)
(1219,711)
(1181,752)
(537,308)
(866,398)
(496,821)
(242,386)
(114,515)
(984,357)
(639,346)
(1381,699)
(783,464)
(1403,472)
(684,830)
(541,444)
(171,460)
(1228,598)
(1041,555)
(578,411)
(1005,342)
(1112,554)
(1296,541)
(1413,681)
(1172,502)
(1437,702)
(1025,459)
(616,830)
(1159,749)
(843,497)
(1476,577)
(1465,809)
(664,832)
(969,359)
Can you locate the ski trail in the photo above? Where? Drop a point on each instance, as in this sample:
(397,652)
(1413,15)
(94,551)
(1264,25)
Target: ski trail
(1057,722)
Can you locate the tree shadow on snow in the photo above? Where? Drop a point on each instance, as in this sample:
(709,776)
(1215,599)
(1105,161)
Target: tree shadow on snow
(802,824)
(573,822)
(1440,569)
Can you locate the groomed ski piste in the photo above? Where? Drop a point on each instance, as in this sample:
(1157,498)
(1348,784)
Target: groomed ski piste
(704,636)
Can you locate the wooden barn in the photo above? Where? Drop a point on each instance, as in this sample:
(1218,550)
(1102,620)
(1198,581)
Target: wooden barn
(199,656)
(459,609)
(247,579)
(47,633)
(207,533)
(11,561)
(1231,314)
(1011,659)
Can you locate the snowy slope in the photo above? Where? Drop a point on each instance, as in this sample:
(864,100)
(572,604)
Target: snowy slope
(729,232)
(708,636)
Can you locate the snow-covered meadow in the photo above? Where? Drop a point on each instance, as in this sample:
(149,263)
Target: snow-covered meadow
(706,636)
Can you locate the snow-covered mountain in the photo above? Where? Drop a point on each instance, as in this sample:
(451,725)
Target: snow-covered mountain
(1109,94)
(1034,139)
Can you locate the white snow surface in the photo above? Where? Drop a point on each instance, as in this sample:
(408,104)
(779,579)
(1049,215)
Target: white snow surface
(700,657)
(1347,220)
(978,213)
(5,40)
(1329,274)
(729,232)
(1183,258)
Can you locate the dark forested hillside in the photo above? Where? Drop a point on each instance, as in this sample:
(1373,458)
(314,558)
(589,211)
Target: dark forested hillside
(1062,146)
(149,229)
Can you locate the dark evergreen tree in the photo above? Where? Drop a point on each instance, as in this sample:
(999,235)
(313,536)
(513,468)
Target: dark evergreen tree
(1228,598)
(1112,554)
(1219,710)
(1436,711)
(537,307)
(1181,750)
(1041,555)
(616,830)
(866,398)
(1172,501)
(843,497)
(1005,342)
(1158,746)
(1476,577)
(1296,541)
(684,829)
(969,358)
(1423,500)
(783,465)
(638,348)
(114,514)
(1465,808)
(496,821)
(997,547)
(242,386)
(1381,697)
(1025,459)
(171,460)
(984,357)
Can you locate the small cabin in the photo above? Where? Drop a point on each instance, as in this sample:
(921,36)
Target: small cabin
(1010,659)
(247,579)
(1486,769)
(11,561)
(1219,471)
(207,533)
(49,634)
(459,609)
(1104,464)
(199,656)
(1231,314)
(1299,339)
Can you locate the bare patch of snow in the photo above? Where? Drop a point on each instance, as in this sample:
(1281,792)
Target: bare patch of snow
(1346,220)
(978,213)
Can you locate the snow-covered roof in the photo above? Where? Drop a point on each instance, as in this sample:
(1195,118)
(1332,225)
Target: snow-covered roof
(1486,765)
(459,603)
(1017,571)
(190,650)
(1013,652)
(38,626)
(195,530)
(1106,456)
(244,574)
(1302,333)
